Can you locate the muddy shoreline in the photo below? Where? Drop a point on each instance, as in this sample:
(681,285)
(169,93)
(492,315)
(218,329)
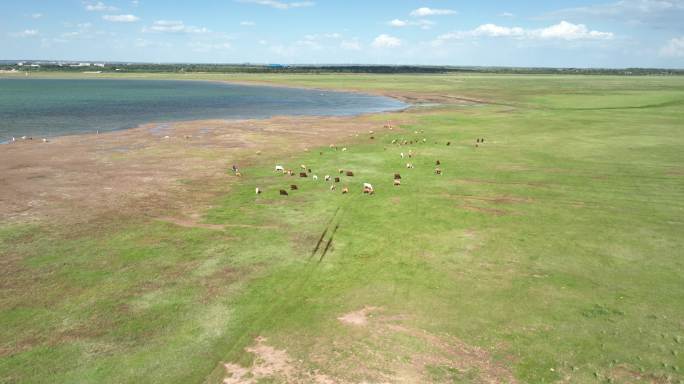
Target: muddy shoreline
(156,169)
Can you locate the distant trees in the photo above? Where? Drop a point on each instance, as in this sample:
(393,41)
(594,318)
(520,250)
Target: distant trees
(372,69)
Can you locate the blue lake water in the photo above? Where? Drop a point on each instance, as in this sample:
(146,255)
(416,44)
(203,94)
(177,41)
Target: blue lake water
(51,107)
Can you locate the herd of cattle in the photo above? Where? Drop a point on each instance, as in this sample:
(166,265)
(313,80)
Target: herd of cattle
(368,188)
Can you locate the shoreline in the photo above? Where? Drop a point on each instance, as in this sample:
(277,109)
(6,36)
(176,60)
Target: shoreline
(407,106)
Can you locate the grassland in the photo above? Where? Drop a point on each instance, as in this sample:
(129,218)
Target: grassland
(551,253)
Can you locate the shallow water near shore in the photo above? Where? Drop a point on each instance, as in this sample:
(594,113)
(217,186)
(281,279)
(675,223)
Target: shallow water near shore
(54,107)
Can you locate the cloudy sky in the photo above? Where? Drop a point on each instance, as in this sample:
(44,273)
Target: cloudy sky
(564,33)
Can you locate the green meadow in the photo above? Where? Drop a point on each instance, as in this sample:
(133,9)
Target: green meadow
(552,252)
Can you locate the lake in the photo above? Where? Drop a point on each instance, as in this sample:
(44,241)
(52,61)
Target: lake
(53,107)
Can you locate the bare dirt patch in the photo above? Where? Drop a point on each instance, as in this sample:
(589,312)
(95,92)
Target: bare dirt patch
(156,170)
(359,317)
(379,348)
(272,364)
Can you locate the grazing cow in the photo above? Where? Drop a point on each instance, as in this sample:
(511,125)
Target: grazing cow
(394,141)
(409,165)
(238,174)
(303,174)
(482,140)
(372,137)
(45,140)
(235,168)
(344,149)
(397,176)
(279,168)
(402,155)
(368,188)
(397,182)
(345,190)
(438,171)
(327,177)
(333,146)
(371,132)
(314,177)
(448,143)
(410,153)
(289,172)
(437,162)
(337,179)
(302,167)
(350,173)
(341,171)
(477,140)
(258,191)
(293,187)
(283,192)
(332,187)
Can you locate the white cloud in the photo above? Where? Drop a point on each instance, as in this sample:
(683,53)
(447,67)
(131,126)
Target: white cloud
(425,11)
(135,3)
(506,14)
(173,26)
(26,33)
(655,12)
(386,41)
(422,23)
(281,4)
(36,15)
(121,18)
(561,31)
(673,48)
(99,7)
(350,45)
(569,31)
(247,23)
(493,30)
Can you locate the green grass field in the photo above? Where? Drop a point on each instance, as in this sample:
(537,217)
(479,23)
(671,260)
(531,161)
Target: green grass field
(553,252)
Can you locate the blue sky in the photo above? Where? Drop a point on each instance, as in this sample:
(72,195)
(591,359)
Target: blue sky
(567,33)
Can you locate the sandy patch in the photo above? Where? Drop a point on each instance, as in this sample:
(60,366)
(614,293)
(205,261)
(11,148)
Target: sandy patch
(359,317)
(272,364)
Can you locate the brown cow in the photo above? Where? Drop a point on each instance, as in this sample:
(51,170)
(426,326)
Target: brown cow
(283,192)
(303,174)
(293,187)
(397,176)
(350,173)
(337,179)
